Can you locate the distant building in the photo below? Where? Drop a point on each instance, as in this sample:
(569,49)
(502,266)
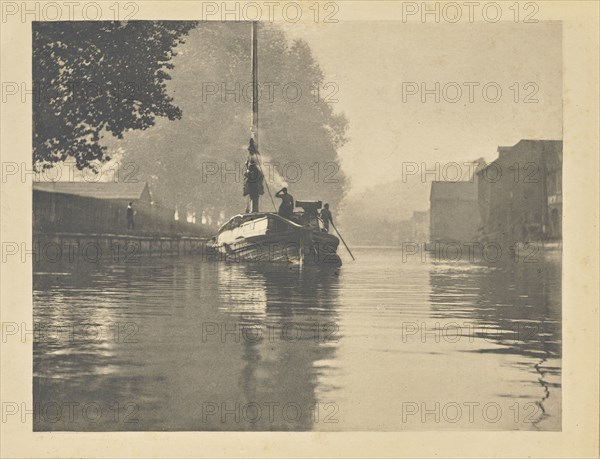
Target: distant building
(454,214)
(520,193)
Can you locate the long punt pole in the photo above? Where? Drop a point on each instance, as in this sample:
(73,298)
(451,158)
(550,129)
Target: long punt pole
(344,242)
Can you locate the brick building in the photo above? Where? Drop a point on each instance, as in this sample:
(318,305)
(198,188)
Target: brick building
(520,193)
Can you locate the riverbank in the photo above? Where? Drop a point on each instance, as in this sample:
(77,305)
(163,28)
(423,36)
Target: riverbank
(69,246)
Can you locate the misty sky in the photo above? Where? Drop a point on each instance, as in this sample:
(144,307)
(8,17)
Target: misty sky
(369,61)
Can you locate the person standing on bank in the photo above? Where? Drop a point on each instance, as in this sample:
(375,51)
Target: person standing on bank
(253,179)
(286,208)
(326,217)
(130,214)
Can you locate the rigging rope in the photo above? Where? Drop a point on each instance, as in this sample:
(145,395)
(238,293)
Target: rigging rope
(265,181)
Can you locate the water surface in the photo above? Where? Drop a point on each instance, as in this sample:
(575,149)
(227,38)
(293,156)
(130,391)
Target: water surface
(384,343)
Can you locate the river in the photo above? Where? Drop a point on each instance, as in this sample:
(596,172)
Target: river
(386,343)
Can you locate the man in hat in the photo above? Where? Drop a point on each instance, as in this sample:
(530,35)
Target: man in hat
(286,208)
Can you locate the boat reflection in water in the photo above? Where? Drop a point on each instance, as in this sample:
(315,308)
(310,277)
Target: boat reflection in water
(289,334)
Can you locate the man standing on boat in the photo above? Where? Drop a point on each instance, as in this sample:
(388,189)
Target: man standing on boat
(253,178)
(326,217)
(286,208)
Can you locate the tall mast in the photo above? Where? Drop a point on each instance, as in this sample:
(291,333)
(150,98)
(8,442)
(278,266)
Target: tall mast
(255,83)
(254,149)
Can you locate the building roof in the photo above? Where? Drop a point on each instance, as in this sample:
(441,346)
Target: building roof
(464,191)
(550,151)
(552,144)
(98,190)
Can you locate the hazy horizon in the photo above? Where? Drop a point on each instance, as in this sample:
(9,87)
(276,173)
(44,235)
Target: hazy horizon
(369,62)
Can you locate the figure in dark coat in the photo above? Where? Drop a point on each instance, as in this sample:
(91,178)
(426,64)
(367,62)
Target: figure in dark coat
(130,214)
(326,217)
(253,178)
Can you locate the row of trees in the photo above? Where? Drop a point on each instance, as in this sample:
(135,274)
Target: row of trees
(190,83)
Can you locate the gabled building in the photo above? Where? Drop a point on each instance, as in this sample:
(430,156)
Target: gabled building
(112,191)
(83,206)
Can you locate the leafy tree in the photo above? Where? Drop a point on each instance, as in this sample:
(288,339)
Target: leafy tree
(211,83)
(96,77)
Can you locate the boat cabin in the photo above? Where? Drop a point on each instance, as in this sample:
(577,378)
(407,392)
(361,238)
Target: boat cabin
(309,216)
